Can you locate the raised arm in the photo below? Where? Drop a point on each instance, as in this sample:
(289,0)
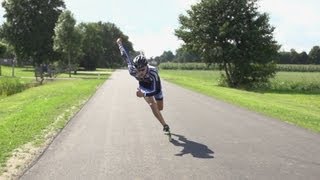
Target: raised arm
(126,57)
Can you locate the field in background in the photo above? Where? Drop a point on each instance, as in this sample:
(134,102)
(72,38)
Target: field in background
(282,101)
(203,66)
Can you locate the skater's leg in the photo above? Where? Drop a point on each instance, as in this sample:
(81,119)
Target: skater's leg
(159,99)
(155,109)
(160,104)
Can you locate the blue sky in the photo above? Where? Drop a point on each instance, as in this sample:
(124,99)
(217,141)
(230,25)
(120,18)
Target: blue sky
(150,24)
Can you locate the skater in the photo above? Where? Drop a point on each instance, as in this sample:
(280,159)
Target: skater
(149,83)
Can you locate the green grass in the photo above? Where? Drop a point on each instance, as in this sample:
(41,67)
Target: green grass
(87,74)
(25,116)
(18,71)
(292,106)
(296,82)
(29,72)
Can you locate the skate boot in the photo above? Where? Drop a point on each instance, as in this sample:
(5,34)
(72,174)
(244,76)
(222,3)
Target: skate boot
(166,128)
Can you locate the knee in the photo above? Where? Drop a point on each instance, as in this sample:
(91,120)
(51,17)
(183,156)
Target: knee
(150,101)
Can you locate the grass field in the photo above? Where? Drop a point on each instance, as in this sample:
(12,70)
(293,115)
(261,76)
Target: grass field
(25,117)
(295,106)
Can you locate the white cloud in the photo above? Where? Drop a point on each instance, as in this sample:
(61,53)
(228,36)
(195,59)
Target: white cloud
(296,22)
(186,4)
(155,43)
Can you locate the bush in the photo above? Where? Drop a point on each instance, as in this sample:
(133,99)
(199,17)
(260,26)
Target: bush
(9,86)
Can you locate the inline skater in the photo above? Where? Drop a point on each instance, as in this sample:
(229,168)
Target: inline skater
(149,83)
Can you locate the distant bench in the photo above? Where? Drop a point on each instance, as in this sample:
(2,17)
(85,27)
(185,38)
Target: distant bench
(42,72)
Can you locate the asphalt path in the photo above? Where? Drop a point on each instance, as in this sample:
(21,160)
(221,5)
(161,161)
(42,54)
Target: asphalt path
(115,136)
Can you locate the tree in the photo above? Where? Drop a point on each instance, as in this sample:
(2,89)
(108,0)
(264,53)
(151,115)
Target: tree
(294,56)
(67,39)
(110,33)
(314,55)
(167,56)
(183,55)
(303,58)
(99,45)
(235,35)
(91,45)
(3,49)
(284,58)
(29,27)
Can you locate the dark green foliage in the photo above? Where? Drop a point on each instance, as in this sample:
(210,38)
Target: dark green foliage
(314,55)
(99,45)
(67,40)
(233,34)
(29,27)
(183,55)
(167,56)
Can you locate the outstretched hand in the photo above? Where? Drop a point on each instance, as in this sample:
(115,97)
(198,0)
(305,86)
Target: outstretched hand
(119,41)
(139,93)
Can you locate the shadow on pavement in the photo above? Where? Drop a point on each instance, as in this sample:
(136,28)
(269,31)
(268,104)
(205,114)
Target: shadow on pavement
(197,150)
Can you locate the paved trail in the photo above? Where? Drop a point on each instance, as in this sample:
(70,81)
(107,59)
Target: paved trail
(115,136)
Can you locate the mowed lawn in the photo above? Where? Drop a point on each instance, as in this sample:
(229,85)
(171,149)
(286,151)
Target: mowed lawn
(30,115)
(294,106)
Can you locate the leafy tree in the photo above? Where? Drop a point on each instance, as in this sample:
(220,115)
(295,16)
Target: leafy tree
(91,45)
(314,55)
(110,33)
(167,56)
(29,27)
(284,58)
(99,45)
(157,60)
(3,49)
(294,56)
(303,58)
(183,55)
(67,39)
(235,35)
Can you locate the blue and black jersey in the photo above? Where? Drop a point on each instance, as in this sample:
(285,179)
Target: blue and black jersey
(150,84)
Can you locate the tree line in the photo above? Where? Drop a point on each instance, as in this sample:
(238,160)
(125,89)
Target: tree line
(45,32)
(283,57)
(293,57)
(230,33)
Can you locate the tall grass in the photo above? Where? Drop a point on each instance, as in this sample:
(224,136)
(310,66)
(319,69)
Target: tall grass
(9,86)
(187,66)
(298,68)
(295,82)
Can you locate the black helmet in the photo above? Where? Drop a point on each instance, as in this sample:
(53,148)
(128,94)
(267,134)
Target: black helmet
(140,61)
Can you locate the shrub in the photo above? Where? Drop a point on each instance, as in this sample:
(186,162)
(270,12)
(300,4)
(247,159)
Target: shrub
(9,86)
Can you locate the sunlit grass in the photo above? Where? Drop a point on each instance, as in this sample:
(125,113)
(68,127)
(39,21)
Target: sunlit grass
(293,106)
(25,116)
